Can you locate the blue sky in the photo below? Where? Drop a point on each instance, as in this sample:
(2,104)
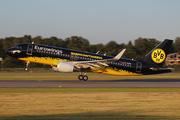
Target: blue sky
(99,21)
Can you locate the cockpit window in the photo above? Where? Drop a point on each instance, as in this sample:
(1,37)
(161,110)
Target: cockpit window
(18,47)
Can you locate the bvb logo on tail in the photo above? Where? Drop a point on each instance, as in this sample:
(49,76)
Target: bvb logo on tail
(158,55)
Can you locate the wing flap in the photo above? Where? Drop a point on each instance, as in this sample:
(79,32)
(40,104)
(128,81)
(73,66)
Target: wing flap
(101,63)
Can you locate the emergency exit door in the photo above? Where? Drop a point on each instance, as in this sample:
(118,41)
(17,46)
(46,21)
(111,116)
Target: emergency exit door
(138,67)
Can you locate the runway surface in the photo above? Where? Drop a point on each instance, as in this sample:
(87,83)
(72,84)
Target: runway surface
(92,84)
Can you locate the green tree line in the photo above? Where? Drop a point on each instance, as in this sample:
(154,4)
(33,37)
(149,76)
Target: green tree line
(136,51)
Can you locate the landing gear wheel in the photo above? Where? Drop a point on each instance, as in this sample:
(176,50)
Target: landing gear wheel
(85,77)
(80,77)
(26,69)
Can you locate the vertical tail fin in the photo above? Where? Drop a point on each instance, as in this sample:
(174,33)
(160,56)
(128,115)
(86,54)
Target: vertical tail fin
(158,54)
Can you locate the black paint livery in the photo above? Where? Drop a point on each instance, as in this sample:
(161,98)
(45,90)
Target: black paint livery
(67,60)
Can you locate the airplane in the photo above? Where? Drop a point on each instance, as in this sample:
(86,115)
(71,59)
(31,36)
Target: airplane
(68,60)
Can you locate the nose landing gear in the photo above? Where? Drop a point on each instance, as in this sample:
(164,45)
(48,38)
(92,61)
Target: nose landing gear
(26,65)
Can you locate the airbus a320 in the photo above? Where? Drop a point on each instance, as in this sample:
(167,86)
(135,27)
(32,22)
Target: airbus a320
(67,60)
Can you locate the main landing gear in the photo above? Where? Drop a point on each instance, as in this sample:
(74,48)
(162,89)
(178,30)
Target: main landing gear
(83,77)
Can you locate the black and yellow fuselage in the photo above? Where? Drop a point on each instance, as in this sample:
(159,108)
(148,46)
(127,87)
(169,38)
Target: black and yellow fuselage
(50,55)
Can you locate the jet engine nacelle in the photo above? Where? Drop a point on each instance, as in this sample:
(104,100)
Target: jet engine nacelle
(64,67)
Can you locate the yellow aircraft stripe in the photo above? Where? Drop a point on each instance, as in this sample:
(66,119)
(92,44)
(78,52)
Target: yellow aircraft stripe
(44,60)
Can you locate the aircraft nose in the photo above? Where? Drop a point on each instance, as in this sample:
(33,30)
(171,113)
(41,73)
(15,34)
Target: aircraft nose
(13,52)
(8,51)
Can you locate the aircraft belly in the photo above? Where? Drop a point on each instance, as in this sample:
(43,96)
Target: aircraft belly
(120,72)
(115,71)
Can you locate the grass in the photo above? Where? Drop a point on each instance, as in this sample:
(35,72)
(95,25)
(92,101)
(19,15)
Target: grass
(85,90)
(73,76)
(88,104)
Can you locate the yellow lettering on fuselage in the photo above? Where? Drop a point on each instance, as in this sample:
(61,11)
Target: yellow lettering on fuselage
(86,55)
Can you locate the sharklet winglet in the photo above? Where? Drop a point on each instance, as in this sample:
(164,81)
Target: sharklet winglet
(117,57)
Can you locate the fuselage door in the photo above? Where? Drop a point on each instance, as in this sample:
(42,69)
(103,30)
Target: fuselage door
(138,67)
(29,49)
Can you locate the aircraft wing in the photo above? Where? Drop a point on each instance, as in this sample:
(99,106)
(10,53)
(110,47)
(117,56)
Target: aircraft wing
(97,63)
